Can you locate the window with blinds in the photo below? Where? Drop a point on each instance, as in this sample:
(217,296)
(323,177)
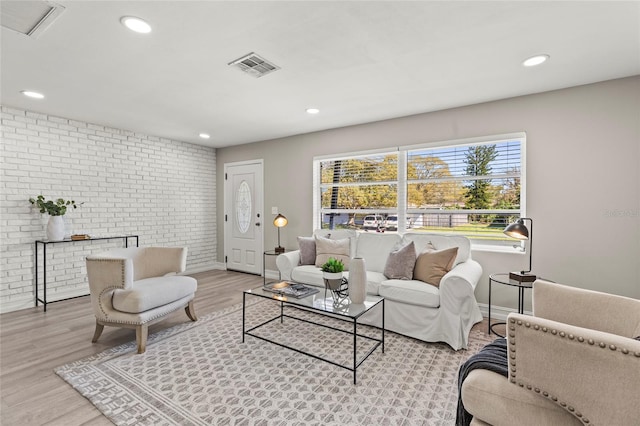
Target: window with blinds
(471,187)
(355,187)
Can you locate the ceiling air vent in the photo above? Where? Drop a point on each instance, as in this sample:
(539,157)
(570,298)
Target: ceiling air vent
(30,18)
(254,65)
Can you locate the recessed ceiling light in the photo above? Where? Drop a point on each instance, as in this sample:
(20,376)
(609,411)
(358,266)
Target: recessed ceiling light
(204,135)
(32,94)
(535,60)
(135,24)
(313,110)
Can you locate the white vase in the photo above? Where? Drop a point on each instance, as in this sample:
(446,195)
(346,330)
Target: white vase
(55,228)
(357,280)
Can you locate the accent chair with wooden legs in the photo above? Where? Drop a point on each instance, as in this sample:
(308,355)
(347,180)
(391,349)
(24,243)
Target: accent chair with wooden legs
(138,286)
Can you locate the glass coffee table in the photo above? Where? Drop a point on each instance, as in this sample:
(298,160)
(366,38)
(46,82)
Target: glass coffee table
(318,304)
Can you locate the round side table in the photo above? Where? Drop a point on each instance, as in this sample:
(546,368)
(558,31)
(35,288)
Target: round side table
(264,267)
(503,278)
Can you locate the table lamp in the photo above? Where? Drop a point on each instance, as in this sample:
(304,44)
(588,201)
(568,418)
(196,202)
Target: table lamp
(279,222)
(518,230)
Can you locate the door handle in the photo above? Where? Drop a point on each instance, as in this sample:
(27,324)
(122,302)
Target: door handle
(257,223)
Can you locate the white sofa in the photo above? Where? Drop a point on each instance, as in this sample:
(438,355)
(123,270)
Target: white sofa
(412,308)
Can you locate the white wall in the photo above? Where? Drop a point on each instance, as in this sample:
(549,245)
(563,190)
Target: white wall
(583,179)
(130,183)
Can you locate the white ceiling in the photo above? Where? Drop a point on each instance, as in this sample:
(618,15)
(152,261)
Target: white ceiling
(356,61)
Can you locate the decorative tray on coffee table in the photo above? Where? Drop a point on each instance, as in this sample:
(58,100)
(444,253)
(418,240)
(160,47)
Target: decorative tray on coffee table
(290,288)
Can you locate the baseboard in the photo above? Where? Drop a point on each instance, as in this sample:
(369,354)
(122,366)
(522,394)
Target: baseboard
(271,274)
(17,305)
(205,267)
(497,312)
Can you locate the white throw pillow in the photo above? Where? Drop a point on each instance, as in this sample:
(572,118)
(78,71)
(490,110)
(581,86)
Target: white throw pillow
(338,249)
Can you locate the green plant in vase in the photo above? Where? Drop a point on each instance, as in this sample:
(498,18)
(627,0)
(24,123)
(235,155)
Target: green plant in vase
(333,265)
(56,209)
(332,273)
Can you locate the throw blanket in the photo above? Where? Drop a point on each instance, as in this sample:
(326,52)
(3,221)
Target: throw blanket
(492,357)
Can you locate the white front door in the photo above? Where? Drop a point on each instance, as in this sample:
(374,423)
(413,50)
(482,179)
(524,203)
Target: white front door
(243,206)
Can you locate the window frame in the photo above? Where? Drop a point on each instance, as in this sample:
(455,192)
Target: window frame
(402,181)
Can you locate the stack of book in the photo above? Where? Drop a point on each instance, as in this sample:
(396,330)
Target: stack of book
(290,288)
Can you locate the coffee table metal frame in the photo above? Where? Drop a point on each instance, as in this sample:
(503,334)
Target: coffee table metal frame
(306,304)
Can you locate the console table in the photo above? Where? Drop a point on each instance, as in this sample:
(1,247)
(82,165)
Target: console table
(45,243)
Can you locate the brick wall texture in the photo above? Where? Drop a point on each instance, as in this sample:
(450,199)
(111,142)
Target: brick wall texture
(129,183)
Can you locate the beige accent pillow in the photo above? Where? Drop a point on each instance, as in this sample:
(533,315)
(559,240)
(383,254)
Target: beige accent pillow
(431,266)
(401,262)
(338,249)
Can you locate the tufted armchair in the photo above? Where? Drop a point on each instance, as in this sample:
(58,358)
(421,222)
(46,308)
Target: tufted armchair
(574,362)
(136,287)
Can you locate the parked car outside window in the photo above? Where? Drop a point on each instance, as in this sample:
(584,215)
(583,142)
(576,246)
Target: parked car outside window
(372,222)
(391,223)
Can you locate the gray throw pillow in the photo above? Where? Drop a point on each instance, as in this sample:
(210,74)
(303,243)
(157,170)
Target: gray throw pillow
(401,262)
(307,250)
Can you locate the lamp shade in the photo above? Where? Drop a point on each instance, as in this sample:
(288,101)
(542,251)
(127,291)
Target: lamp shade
(280,221)
(517,230)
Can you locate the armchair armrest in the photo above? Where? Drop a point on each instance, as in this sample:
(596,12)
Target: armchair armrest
(457,287)
(286,262)
(109,272)
(592,374)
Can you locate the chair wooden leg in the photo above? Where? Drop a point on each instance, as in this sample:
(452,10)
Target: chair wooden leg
(141,337)
(191,312)
(98,332)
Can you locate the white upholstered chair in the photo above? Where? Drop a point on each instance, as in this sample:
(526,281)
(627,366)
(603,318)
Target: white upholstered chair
(137,286)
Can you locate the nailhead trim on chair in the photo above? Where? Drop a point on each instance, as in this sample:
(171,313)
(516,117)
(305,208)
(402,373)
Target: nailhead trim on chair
(512,357)
(108,288)
(106,316)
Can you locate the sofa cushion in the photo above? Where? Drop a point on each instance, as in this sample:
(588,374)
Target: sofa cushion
(144,294)
(374,280)
(338,249)
(374,248)
(307,274)
(411,292)
(425,241)
(401,262)
(431,266)
(307,247)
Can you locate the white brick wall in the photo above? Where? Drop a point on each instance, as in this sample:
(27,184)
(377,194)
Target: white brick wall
(160,189)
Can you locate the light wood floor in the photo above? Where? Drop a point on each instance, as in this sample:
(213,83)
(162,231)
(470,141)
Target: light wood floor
(33,343)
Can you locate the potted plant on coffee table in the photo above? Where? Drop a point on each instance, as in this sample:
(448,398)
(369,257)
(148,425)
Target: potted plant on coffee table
(332,273)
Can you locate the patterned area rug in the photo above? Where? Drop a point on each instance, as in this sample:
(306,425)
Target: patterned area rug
(201,374)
